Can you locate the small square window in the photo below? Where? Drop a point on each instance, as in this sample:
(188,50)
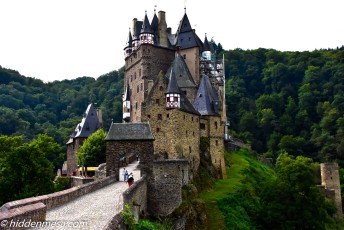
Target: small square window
(168,115)
(149,116)
(157,130)
(157,101)
(159,116)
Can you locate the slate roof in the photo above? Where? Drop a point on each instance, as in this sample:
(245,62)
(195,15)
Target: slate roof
(206,46)
(129,131)
(185,36)
(88,125)
(186,106)
(130,40)
(206,98)
(172,86)
(146,26)
(182,73)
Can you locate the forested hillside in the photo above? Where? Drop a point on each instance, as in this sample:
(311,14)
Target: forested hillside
(29,107)
(288,101)
(277,101)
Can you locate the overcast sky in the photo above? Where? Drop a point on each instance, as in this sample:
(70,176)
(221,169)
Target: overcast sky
(65,39)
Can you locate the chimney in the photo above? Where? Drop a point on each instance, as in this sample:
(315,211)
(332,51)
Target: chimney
(100,117)
(134,28)
(162,29)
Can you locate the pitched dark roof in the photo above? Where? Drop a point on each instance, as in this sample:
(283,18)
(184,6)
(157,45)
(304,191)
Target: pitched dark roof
(129,131)
(185,36)
(155,24)
(206,101)
(146,26)
(88,125)
(184,25)
(172,86)
(206,46)
(182,73)
(186,106)
(130,40)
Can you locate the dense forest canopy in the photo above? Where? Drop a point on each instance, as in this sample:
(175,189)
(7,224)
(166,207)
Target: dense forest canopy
(29,107)
(288,101)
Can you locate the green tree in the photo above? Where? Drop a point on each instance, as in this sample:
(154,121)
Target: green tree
(292,200)
(92,152)
(25,169)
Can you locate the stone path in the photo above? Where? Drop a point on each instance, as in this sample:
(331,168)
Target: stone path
(94,210)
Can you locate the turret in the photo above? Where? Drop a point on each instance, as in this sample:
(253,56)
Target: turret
(206,53)
(146,35)
(126,104)
(172,92)
(128,47)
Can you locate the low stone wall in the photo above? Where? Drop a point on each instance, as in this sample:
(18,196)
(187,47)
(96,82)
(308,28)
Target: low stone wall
(58,198)
(78,181)
(23,217)
(136,197)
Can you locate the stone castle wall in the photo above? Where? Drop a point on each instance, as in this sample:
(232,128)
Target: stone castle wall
(114,149)
(23,217)
(330,180)
(136,197)
(72,149)
(191,57)
(141,67)
(176,132)
(165,187)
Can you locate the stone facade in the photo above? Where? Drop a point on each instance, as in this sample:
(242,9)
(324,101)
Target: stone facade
(115,149)
(140,70)
(165,188)
(72,149)
(330,180)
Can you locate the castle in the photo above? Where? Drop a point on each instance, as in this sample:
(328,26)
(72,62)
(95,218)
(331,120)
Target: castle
(174,82)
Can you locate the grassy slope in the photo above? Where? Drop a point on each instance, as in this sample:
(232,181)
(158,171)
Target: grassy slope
(236,162)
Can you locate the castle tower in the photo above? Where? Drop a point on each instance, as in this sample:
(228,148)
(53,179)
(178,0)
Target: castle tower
(207,104)
(162,29)
(143,65)
(330,179)
(129,46)
(89,124)
(189,45)
(146,35)
(172,93)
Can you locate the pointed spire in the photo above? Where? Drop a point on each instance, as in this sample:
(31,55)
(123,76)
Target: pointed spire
(146,27)
(206,46)
(172,84)
(130,39)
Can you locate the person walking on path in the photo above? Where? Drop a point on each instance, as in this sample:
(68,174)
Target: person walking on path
(125,174)
(130,179)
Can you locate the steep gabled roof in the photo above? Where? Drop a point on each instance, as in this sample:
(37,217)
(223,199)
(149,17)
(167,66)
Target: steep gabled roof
(206,98)
(185,36)
(89,123)
(155,24)
(184,25)
(186,106)
(129,131)
(181,72)
(130,40)
(146,26)
(206,46)
(172,86)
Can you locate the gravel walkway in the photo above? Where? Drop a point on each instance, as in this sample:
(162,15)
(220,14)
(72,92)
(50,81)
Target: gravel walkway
(94,210)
